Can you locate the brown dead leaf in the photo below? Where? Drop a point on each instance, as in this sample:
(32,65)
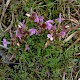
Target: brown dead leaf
(47,44)
(69,37)
(77,54)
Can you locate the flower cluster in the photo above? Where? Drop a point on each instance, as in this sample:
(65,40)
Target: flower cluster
(48,25)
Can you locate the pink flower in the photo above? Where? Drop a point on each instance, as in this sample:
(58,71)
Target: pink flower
(5,43)
(18,34)
(59,19)
(54,28)
(32,31)
(27,48)
(11,35)
(48,24)
(50,36)
(23,25)
(36,18)
(41,19)
(63,33)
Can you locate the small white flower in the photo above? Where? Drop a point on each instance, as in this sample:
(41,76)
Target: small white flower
(79,79)
(28,15)
(67,26)
(19,25)
(18,44)
(49,36)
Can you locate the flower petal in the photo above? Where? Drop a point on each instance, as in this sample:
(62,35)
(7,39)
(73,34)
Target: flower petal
(36,18)
(32,31)
(59,19)
(48,24)
(18,34)
(41,19)
(5,42)
(63,33)
(50,37)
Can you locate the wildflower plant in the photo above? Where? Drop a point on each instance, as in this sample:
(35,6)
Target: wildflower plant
(38,44)
(21,34)
(41,25)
